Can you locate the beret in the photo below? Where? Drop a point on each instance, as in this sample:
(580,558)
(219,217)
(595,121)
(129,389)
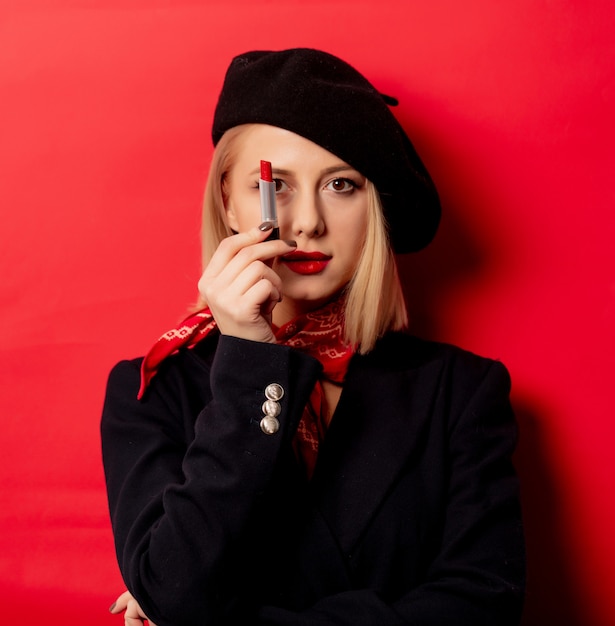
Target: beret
(324,99)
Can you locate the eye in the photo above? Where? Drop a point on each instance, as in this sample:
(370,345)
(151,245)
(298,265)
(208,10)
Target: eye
(280,185)
(341,185)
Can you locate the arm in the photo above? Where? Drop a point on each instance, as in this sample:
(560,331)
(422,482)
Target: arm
(185,475)
(180,509)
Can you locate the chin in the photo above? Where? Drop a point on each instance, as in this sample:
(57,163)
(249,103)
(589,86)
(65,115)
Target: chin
(309,299)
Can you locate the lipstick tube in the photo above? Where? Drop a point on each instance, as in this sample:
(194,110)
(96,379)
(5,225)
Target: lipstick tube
(266,186)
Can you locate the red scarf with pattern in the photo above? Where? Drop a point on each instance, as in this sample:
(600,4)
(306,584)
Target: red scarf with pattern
(319,333)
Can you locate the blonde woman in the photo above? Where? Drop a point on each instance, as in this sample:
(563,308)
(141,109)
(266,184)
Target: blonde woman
(289,455)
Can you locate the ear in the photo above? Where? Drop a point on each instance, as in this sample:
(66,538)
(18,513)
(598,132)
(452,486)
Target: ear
(229,212)
(231,218)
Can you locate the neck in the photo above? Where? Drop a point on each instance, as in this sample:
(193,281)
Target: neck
(289,309)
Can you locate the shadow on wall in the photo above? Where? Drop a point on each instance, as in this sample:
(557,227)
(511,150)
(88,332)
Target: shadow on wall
(455,259)
(450,261)
(550,591)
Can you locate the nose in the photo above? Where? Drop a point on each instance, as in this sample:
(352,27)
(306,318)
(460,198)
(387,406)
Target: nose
(306,215)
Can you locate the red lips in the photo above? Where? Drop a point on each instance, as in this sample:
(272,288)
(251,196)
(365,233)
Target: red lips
(305,263)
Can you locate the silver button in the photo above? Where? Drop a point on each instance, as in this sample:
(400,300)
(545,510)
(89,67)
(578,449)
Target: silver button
(274,391)
(270,425)
(271,408)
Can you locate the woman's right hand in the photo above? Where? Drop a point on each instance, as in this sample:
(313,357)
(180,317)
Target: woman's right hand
(241,288)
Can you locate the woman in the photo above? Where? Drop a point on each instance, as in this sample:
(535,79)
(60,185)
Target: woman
(292,457)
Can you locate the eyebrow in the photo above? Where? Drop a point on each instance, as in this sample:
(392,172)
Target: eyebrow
(329,170)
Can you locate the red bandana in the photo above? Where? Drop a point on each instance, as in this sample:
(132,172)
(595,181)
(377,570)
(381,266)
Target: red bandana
(319,334)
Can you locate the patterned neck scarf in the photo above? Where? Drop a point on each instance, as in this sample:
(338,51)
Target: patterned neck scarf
(319,333)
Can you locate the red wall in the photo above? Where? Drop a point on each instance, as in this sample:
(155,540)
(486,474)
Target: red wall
(105,108)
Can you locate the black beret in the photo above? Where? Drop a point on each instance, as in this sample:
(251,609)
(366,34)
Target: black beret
(322,98)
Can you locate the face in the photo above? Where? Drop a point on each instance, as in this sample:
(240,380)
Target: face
(321,203)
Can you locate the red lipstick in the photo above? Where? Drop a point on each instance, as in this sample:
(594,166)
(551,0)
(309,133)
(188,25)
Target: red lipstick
(266,186)
(305,263)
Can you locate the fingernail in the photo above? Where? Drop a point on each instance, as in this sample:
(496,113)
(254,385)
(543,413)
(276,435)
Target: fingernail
(112,607)
(265,226)
(290,242)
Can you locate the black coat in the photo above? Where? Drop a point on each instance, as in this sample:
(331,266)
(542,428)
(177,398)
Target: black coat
(412,515)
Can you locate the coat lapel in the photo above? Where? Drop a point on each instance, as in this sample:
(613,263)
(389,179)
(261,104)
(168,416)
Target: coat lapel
(378,424)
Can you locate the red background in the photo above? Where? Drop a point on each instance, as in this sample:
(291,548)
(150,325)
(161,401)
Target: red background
(105,108)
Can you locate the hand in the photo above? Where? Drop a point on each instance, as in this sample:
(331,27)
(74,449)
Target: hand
(134,615)
(241,288)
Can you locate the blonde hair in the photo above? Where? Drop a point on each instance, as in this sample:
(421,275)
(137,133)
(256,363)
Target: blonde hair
(374,297)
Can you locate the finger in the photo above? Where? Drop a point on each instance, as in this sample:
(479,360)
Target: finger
(121,603)
(230,247)
(236,279)
(266,294)
(247,312)
(252,274)
(231,266)
(270,290)
(134,609)
(223,269)
(247,296)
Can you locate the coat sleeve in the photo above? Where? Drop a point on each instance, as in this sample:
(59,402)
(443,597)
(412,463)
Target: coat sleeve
(478,575)
(180,506)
